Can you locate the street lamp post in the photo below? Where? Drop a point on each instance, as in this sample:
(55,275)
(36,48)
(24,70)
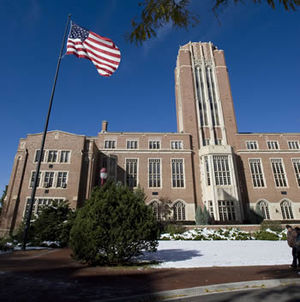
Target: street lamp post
(103,176)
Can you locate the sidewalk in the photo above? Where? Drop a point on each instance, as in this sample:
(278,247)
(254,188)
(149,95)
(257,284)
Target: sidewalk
(53,274)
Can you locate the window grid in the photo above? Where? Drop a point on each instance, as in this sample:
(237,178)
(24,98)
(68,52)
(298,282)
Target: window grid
(264,209)
(176,145)
(293,145)
(210,209)
(131,172)
(64,156)
(48,179)
(154,144)
(251,145)
(221,169)
(179,211)
(154,173)
(132,144)
(37,154)
(109,144)
(296,165)
(226,210)
(256,173)
(33,173)
(279,173)
(38,204)
(177,173)
(207,172)
(52,156)
(61,181)
(286,210)
(155,207)
(273,145)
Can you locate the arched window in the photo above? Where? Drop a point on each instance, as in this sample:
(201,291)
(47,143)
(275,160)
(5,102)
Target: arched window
(286,210)
(179,211)
(155,207)
(264,209)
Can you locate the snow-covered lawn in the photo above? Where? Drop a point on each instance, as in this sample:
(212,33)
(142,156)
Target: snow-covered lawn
(188,254)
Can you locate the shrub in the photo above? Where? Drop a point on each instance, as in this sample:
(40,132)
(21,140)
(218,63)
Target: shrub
(5,244)
(173,229)
(202,216)
(264,235)
(113,226)
(52,224)
(272,225)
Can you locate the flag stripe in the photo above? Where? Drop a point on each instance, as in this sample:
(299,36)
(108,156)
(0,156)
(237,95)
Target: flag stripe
(103,53)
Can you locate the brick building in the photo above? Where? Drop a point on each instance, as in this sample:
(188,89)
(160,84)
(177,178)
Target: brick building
(206,163)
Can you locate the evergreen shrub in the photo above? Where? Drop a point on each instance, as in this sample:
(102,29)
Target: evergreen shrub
(113,226)
(202,216)
(272,225)
(264,235)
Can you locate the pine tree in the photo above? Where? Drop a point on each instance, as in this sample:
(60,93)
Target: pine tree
(113,226)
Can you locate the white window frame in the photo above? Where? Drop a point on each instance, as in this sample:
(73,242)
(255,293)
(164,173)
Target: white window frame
(222,176)
(251,145)
(296,168)
(226,209)
(63,185)
(35,159)
(31,180)
(154,144)
(129,144)
(264,208)
(60,156)
(182,212)
(293,145)
(110,144)
(48,154)
(44,177)
(287,211)
(280,175)
(176,176)
(256,177)
(137,171)
(176,144)
(273,145)
(160,173)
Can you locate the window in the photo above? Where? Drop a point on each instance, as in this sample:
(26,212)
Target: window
(61,180)
(256,173)
(177,173)
(33,173)
(273,145)
(221,169)
(286,210)
(37,154)
(179,211)
(176,145)
(226,210)
(154,173)
(263,209)
(131,172)
(293,145)
(109,144)
(207,171)
(156,209)
(206,142)
(132,144)
(48,179)
(38,204)
(251,145)
(210,208)
(218,141)
(296,165)
(154,144)
(112,166)
(64,156)
(279,173)
(52,156)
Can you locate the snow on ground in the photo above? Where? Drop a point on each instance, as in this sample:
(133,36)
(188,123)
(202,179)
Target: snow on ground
(190,253)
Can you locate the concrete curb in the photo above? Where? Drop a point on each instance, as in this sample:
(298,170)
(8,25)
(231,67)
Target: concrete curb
(178,294)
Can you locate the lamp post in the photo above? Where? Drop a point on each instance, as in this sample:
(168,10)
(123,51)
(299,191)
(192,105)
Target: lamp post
(103,176)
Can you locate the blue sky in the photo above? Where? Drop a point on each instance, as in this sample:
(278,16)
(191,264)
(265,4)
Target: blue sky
(261,45)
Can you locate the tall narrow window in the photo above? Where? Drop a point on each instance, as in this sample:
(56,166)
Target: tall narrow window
(286,210)
(155,207)
(37,154)
(52,156)
(48,179)
(221,169)
(210,209)
(177,173)
(264,209)
(201,97)
(176,145)
(32,179)
(226,210)
(64,156)
(273,145)
(278,172)
(296,165)
(207,172)
(256,173)
(131,172)
(61,180)
(179,211)
(154,173)
(112,166)
(109,144)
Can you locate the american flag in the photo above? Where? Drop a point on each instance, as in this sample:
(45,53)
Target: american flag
(102,51)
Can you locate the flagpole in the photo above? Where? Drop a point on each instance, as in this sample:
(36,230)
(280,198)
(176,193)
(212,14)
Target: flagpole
(28,218)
